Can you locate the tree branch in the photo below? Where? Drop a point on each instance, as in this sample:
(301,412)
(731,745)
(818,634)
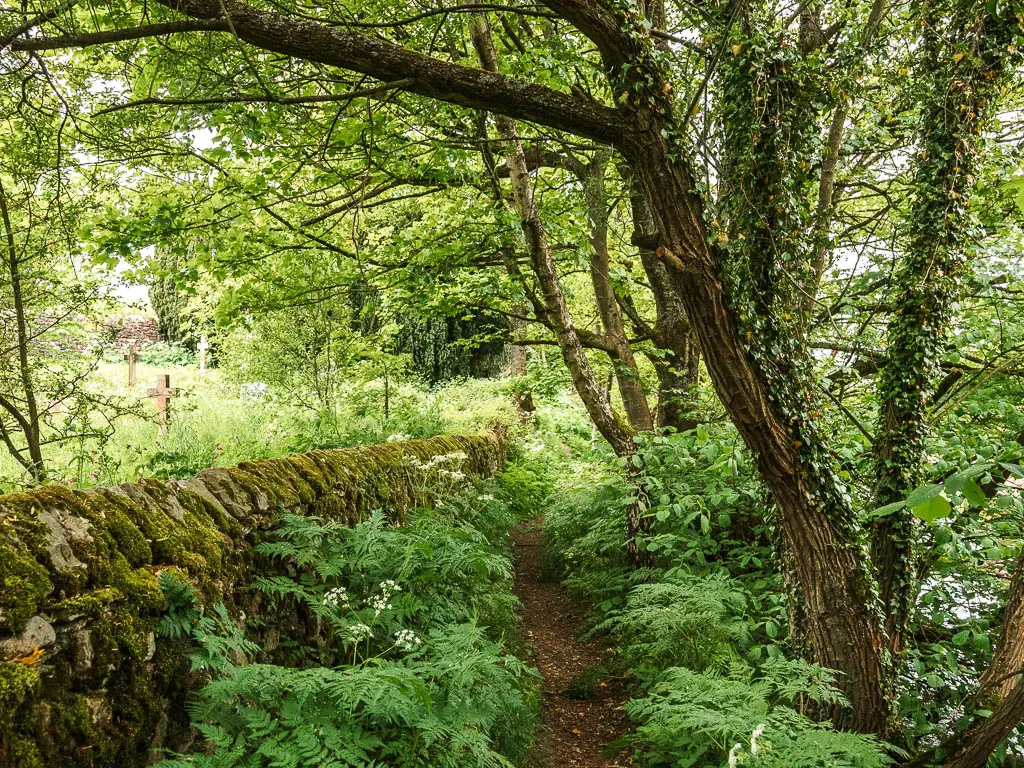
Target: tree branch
(427,76)
(86,39)
(257,98)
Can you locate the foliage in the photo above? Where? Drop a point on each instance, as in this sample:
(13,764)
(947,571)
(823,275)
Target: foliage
(407,664)
(703,632)
(170,301)
(164,354)
(444,348)
(694,718)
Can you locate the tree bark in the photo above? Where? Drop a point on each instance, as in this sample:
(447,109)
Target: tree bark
(1004,670)
(977,744)
(672,333)
(627,375)
(813,503)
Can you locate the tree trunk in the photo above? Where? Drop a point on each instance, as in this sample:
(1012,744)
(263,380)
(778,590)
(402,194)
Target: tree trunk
(977,744)
(611,427)
(28,421)
(627,375)
(814,508)
(928,282)
(678,363)
(1007,664)
(618,434)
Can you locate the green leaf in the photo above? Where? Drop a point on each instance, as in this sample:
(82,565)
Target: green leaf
(888,509)
(974,494)
(931,510)
(923,494)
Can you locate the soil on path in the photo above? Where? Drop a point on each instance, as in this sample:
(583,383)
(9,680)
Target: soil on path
(576,731)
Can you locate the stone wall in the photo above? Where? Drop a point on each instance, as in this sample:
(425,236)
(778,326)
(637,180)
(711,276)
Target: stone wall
(84,681)
(141,329)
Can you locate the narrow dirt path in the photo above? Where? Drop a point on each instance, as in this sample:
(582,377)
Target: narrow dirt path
(576,730)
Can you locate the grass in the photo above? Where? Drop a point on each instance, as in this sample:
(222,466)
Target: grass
(213,423)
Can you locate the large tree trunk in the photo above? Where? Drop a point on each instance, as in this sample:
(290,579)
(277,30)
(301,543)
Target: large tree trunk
(964,58)
(814,508)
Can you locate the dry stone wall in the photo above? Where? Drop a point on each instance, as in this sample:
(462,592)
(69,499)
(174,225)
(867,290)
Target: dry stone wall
(84,680)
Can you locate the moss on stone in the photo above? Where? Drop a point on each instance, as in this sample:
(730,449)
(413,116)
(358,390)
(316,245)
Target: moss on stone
(89,562)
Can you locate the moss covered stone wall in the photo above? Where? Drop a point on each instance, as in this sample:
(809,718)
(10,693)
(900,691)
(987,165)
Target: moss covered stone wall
(84,681)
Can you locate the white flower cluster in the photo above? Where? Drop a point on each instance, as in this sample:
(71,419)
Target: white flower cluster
(485,497)
(359,632)
(382,601)
(336,596)
(734,753)
(443,458)
(406,639)
(398,437)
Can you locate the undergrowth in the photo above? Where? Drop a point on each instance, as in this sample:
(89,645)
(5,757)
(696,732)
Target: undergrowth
(401,653)
(701,633)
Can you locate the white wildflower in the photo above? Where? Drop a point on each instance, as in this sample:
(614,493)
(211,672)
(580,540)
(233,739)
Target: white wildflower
(359,632)
(398,437)
(754,737)
(734,755)
(336,596)
(406,639)
(382,602)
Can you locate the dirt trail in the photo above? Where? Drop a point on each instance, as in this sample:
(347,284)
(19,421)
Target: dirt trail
(575,730)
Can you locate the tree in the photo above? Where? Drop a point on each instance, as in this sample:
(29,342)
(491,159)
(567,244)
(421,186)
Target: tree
(48,300)
(728,188)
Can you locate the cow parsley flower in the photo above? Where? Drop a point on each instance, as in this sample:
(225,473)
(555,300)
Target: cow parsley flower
(406,639)
(336,596)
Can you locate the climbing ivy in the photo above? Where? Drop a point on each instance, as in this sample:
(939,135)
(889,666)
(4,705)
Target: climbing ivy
(966,48)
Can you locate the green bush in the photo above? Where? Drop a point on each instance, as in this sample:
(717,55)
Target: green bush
(163,353)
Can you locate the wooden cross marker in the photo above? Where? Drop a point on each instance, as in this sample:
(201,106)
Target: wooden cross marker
(203,346)
(163,392)
(132,357)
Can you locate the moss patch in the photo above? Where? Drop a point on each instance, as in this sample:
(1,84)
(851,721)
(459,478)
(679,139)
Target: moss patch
(89,561)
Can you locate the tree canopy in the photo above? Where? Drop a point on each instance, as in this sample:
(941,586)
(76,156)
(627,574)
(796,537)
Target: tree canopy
(799,217)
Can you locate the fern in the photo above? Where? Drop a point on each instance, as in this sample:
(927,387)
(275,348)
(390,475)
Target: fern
(694,718)
(417,612)
(685,621)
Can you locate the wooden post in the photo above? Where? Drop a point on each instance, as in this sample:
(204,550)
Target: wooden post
(203,346)
(132,357)
(163,392)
